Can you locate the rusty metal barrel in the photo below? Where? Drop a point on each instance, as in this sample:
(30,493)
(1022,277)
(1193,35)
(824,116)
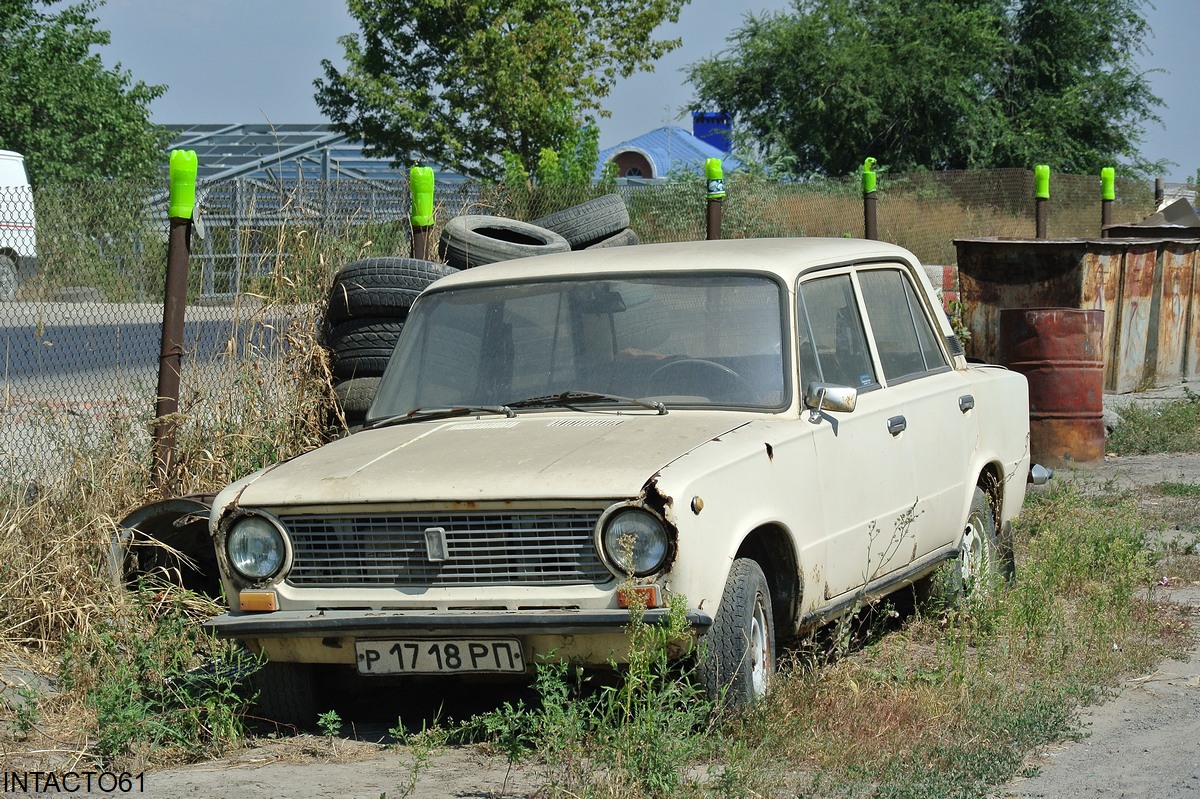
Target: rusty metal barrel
(1060,352)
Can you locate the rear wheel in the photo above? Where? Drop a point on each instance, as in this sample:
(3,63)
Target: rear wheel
(979,554)
(739,651)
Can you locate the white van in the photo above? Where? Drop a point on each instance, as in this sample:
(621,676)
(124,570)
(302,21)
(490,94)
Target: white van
(18,230)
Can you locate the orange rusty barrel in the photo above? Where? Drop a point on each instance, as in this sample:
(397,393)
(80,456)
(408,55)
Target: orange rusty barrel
(1059,350)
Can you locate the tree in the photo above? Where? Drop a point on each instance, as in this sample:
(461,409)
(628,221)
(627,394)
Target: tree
(936,84)
(459,82)
(71,117)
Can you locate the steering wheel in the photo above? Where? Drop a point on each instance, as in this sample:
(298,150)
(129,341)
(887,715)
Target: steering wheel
(703,378)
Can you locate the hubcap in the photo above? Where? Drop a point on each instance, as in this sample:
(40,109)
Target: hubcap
(973,553)
(759,651)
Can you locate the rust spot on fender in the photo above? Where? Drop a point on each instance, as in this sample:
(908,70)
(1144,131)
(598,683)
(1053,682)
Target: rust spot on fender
(661,503)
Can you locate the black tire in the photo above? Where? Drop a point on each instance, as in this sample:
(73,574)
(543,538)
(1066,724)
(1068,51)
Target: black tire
(362,347)
(588,223)
(738,652)
(8,279)
(626,238)
(286,694)
(978,565)
(471,240)
(354,398)
(380,287)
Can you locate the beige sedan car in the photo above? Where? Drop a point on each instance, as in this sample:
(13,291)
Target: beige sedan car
(770,431)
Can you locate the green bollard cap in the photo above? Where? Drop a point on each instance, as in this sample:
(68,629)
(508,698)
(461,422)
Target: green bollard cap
(716,178)
(1041,180)
(1108,180)
(868,176)
(183,184)
(420,183)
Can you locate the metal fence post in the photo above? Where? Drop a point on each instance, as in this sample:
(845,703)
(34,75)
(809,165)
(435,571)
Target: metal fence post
(870,211)
(1108,193)
(420,185)
(182,204)
(1041,179)
(715,176)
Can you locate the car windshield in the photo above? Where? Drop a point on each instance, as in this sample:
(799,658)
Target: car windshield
(682,340)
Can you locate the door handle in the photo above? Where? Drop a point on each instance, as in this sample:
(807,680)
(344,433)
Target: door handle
(966,402)
(897,425)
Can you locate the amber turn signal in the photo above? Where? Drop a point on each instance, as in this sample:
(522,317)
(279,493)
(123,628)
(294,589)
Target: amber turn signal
(258,600)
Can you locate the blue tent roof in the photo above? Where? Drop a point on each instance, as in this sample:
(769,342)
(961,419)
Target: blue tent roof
(668,149)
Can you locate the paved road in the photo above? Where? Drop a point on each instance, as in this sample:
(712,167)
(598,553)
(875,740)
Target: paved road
(50,341)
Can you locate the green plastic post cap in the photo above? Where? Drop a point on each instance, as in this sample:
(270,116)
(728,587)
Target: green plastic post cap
(716,178)
(1041,179)
(420,182)
(868,176)
(183,183)
(1108,183)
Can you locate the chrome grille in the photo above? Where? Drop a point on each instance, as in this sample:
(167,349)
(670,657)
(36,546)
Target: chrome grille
(482,548)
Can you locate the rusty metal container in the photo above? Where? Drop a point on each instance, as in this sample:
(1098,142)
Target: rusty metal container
(1059,350)
(1149,290)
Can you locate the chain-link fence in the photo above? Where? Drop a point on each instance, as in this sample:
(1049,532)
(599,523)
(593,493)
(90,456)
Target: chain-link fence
(80,323)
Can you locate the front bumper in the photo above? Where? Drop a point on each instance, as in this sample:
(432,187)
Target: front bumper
(375,623)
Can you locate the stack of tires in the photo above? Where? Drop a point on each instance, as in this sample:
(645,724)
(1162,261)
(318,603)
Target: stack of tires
(368,305)
(369,300)
(470,240)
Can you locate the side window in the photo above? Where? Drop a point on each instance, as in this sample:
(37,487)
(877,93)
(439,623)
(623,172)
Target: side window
(905,339)
(833,346)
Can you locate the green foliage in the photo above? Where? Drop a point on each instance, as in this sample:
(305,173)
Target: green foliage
(1173,426)
(156,680)
(561,178)
(936,85)
(73,118)
(1180,489)
(457,82)
(640,734)
(330,723)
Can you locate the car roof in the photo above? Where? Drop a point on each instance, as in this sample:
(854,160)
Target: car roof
(786,257)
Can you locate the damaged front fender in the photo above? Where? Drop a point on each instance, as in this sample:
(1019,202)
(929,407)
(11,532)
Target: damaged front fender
(168,540)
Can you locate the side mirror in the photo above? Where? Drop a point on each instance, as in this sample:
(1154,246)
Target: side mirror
(828,397)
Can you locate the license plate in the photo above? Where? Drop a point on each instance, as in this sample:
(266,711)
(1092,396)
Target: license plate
(440,656)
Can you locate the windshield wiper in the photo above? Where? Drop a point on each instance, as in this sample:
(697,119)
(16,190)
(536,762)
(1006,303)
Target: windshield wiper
(567,399)
(427,414)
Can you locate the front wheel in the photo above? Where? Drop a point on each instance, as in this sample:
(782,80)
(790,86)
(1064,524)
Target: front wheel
(286,694)
(738,655)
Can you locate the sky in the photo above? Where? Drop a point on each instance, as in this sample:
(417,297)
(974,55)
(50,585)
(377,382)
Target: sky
(254,61)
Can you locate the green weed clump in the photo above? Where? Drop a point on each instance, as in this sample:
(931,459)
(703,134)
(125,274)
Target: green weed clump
(156,687)
(637,736)
(1173,426)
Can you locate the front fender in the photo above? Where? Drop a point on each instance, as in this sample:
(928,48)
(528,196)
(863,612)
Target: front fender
(167,539)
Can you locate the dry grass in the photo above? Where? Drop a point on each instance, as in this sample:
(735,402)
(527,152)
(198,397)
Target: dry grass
(119,660)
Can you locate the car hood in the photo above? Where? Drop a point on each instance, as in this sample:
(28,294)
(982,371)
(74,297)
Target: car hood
(534,456)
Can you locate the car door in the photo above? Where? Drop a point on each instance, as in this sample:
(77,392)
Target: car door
(931,401)
(867,487)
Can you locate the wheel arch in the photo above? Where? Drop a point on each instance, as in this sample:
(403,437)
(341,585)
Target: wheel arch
(991,480)
(771,547)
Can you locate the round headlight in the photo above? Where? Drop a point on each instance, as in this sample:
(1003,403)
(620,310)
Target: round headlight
(635,542)
(255,547)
